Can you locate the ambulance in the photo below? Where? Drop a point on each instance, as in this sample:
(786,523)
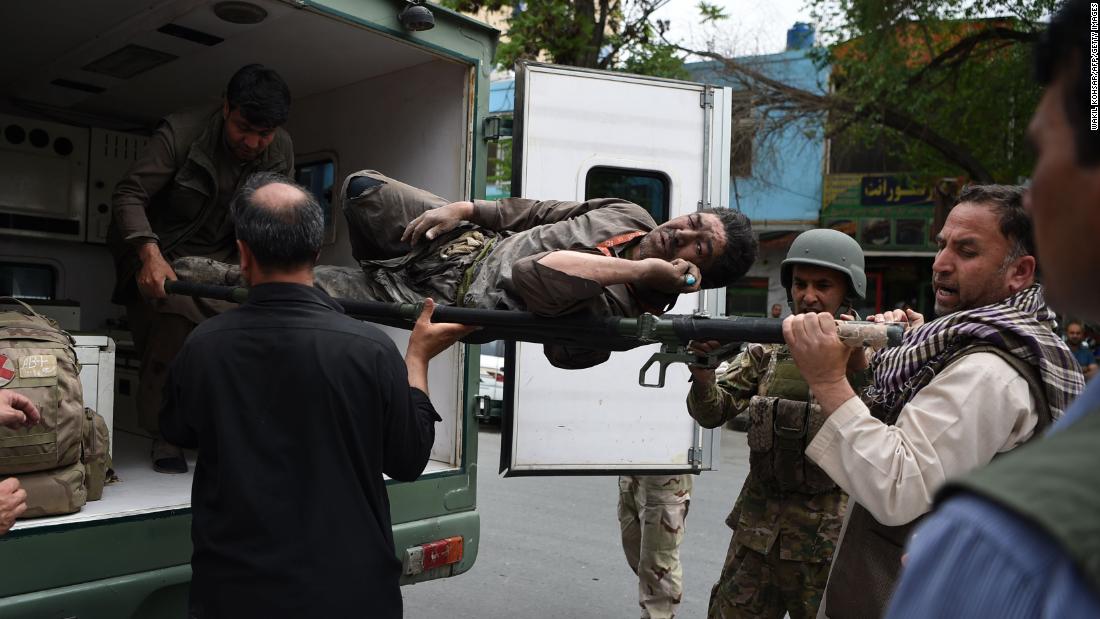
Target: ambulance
(82,84)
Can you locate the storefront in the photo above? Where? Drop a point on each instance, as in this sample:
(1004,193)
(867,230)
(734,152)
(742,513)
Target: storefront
(891,217)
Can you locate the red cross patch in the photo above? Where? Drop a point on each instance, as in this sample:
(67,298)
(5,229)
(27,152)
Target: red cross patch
(7,370)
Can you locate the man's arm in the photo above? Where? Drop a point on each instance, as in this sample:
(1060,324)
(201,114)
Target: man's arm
(973,409)
(130,202)
(713,401)
(143,180)
(560,282)
(653,273)
(427,340)
(410,422)
(518,214)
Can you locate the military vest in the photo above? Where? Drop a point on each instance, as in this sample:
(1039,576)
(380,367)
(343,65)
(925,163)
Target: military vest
(868,560)
(783,420)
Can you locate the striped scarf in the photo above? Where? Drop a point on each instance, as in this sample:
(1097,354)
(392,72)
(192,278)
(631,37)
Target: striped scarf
(1022,325)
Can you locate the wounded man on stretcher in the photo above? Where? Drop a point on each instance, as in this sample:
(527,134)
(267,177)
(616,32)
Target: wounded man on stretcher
(604,256)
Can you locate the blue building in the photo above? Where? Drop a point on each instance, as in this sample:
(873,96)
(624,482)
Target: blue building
(776,169)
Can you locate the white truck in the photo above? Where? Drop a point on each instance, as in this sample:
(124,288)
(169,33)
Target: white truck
(81,86)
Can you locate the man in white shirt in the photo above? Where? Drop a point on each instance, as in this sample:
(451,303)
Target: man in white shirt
(984,377)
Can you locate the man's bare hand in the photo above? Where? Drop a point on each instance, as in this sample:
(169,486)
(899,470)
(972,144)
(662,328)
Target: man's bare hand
(428,339)
(437,221)
(673,277)
(154,270)
(13,502)
(820,356)
(909,318)
(702,375)
(16,410)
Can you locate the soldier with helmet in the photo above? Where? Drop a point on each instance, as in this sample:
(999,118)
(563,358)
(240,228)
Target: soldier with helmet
(788,516)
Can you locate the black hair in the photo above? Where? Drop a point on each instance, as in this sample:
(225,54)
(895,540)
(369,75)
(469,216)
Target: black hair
(1007,202)
(1066,47)
(740,251)
(281,236)
(260,94)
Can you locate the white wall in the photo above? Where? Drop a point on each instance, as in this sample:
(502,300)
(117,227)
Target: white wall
(410,124)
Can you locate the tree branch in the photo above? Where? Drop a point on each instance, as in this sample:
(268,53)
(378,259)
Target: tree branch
(806,103)
(960,52)
(634,28)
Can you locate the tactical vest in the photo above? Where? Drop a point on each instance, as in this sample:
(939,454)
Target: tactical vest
(62,461)
(868,560)
(783,420)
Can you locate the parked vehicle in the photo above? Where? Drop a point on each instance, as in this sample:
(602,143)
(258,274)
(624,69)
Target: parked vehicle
(83,85)
(490,395)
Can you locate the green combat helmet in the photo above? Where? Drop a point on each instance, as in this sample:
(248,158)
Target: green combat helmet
(830,249)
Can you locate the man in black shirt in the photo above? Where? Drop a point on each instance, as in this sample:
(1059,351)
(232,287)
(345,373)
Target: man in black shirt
(298,411)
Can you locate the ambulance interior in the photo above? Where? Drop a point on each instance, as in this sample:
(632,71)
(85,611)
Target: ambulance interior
(78,97)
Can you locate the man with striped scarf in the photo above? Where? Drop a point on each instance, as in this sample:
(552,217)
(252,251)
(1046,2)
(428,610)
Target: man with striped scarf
(983,378)
(1020,538)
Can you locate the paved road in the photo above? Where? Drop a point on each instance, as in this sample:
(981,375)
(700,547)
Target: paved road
(550,546)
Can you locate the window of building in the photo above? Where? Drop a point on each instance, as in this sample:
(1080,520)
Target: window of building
(874,231)
(748,296)
(646,188)
(910,232)
(37,282)
(318,176)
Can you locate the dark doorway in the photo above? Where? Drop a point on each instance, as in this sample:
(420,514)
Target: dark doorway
(896,282)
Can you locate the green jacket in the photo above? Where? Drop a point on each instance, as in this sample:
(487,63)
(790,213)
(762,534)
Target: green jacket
(177,193)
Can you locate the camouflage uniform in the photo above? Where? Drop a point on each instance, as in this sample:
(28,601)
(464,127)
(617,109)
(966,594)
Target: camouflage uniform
(652,511)
(784,528)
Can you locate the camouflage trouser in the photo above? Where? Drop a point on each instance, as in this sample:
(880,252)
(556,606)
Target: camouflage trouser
(652,511)
(755,585)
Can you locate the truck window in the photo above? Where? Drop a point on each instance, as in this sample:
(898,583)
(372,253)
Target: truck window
(318,175)
(646,188)
(37,282)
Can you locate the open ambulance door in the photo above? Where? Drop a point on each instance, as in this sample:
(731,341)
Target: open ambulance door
(661,143)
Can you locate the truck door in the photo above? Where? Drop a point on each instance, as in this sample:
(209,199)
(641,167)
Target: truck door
(661,143)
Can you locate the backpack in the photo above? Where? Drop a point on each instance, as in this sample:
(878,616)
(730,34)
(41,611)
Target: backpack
(62,461)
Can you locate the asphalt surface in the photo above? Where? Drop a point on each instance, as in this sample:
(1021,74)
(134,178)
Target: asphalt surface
(550,546)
